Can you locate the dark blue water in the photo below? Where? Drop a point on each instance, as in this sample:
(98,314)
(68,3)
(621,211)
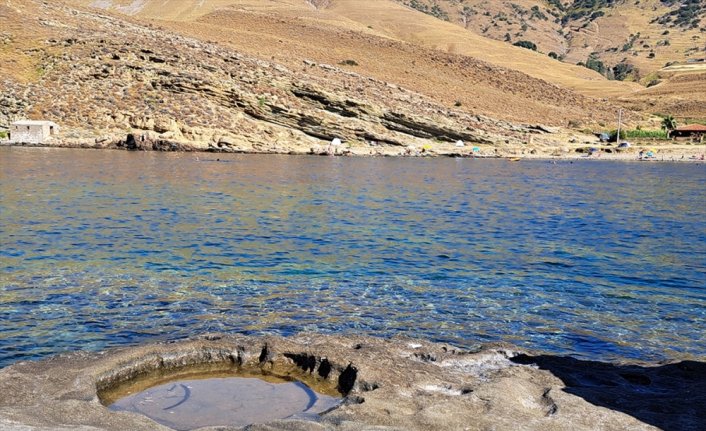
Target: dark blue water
(600,260)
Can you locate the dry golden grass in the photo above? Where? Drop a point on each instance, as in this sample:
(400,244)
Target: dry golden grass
(396,44)
(683,95)
(19,43)
(415,27)
(450,79)
(500,20)
(392,20)
(605,36)
(684,67)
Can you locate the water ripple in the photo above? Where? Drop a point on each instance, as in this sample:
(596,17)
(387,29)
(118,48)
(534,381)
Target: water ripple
(596,260)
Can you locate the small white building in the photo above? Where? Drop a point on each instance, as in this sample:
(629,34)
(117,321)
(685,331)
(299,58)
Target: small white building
(32,132)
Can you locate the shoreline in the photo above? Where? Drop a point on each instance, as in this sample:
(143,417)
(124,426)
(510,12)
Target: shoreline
(398,383)
(664,154)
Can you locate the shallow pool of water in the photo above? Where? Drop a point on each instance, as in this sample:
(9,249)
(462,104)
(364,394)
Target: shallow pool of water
(229,401)
(599,260)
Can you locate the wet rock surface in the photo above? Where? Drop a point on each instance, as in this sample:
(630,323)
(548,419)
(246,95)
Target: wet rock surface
(394,384)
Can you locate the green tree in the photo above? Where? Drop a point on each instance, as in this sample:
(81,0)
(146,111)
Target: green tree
(669,123)
(613,136)
(594,63)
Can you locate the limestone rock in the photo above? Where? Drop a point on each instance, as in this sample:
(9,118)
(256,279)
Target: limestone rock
(143,123)
(398,384)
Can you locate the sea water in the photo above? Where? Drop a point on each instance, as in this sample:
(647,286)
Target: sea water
(598,260)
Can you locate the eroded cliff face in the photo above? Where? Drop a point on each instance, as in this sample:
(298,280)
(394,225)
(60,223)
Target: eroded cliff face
(398,384)
(103,77)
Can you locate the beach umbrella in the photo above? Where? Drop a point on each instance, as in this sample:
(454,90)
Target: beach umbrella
(460,143)
(336,142)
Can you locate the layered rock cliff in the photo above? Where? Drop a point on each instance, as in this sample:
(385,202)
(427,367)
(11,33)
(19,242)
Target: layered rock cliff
(104,77)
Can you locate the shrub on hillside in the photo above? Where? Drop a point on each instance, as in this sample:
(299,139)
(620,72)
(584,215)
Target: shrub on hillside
(526,44)
(536,13)
(614,135)
(435,11)
(688,14)
(594,63)
(589,9)
(623,70)
(646,134)
(557,4)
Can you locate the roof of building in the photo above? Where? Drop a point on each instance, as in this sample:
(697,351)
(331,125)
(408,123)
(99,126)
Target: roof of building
(33,123)
(692,128)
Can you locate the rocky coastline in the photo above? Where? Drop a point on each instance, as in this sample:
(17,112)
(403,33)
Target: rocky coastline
(149,141)
(103,78)
(387,384)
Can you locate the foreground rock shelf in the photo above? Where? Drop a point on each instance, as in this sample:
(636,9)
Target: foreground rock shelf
(395,384)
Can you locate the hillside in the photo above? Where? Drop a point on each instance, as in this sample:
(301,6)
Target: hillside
(290,75)
(636,38)
(102,76)
(669,97)
(242,22)
(393,41)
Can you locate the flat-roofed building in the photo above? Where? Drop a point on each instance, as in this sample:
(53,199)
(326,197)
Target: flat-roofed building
(693,132)
(32,132)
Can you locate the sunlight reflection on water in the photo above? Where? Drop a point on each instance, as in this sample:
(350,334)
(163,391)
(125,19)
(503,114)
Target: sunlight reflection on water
(103,248)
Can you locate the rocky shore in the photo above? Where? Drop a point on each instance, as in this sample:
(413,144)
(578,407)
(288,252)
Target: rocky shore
(398,384)
(665,152)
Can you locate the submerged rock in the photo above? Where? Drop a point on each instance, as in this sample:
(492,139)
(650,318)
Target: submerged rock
(394,384)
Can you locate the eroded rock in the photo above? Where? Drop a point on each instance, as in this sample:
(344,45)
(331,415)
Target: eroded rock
(388,384)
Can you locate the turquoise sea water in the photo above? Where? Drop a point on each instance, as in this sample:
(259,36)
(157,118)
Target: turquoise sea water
(600,260)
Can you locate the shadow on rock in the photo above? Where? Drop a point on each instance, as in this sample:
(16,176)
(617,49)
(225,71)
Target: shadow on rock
(671,397)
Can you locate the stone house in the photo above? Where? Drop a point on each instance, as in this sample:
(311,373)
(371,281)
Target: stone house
(32,132)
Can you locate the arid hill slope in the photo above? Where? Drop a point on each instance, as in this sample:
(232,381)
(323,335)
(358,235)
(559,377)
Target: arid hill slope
(104,75)
(645,34)
(447,79)
(668,98)
(393,40)
(369,18)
